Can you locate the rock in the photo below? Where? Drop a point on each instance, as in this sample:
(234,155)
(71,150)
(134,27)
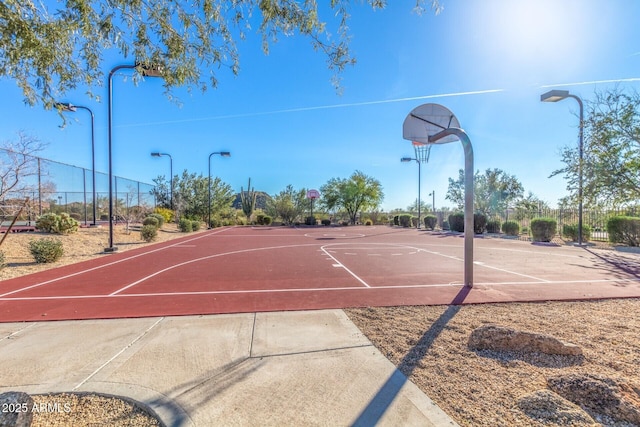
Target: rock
(614,398)
(547,407)
(491,337)
(16,409)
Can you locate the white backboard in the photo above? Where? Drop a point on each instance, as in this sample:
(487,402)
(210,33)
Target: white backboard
(427,120)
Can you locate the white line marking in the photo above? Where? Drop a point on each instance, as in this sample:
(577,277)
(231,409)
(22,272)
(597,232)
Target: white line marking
(191,261)
(344,288)
(117,354)
(46,282)
(337,265)
(349,271)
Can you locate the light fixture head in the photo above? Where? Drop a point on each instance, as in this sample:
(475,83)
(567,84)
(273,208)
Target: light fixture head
(225,153)
(554,95)
(149,70)
(406,159)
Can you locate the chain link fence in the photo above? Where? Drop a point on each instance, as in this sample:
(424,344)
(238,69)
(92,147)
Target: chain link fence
(51,186)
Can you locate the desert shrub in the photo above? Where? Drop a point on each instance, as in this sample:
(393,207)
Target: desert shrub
(160,218)
(59,224)
(404,220)
(326,222)
(47,222)
(396,220)
(430,221)
(167,214)
(67,224)
(445,225)
(75,216)
(46,250)
(3,260)
(493,226)
(215,222)
(310,220)
(196,225)
(456,222)
(267,220)
(148,233)
(570,231)
(368,222)
(151,220)
(344,223)
(511,228)
(624,229)
(185,225)
(543,229)
(260,218)
(479,223)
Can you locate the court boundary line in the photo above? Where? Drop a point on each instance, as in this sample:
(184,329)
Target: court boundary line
(284,290)
(77,273)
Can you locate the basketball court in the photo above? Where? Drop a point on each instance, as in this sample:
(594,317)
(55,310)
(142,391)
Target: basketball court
(256,269)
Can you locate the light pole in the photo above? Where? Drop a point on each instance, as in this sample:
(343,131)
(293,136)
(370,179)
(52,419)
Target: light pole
(146,71)
(409,159)
(170,174)
(63,106)
(221,154)
(433,201)
(559,95)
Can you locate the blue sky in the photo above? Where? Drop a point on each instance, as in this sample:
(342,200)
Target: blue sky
(284,123)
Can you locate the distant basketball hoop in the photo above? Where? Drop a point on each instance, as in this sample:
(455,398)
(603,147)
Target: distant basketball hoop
(312,195)
(430,124)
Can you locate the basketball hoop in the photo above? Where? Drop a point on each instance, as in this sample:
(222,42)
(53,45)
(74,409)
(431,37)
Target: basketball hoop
(430,124)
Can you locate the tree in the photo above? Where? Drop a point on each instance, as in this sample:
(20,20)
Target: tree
(48,48)
(611,156)
(160,192)
(191,196)
(494,191)
(288,205)
(358,192)
(18,163)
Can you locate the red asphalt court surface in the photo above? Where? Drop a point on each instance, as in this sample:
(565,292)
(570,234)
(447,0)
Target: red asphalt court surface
(245,269)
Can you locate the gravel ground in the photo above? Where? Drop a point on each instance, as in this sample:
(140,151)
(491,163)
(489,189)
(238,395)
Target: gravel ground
(427,343)
(482,388)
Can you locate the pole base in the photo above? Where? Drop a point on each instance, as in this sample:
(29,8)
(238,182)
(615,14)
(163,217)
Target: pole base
(111,249)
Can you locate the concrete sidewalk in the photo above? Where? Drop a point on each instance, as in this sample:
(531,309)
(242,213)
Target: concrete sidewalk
(284,368)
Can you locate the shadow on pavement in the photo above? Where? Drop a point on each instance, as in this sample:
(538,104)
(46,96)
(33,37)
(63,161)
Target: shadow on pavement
(376,408)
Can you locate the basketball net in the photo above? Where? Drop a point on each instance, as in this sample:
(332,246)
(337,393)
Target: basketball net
(422,151)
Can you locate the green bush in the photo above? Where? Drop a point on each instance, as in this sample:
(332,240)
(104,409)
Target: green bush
(493,226)
(149,233)
(160,218)
(215,222)
(267,220)
(46,250)
(543,229)
(3,260)
(47,222)
(326,222)
(479,223)
(430,221)
(446,226)
(396,220)
(310,220)
(196,225)
(570,231)
(624,229)
(368,222)
(151,220)
(185,225)
(456,222)
(59,224)
(404,220)
(511,228)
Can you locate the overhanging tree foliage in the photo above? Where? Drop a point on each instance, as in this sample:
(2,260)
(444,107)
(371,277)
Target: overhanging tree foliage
(611,158)
(49,48)
(357,193)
